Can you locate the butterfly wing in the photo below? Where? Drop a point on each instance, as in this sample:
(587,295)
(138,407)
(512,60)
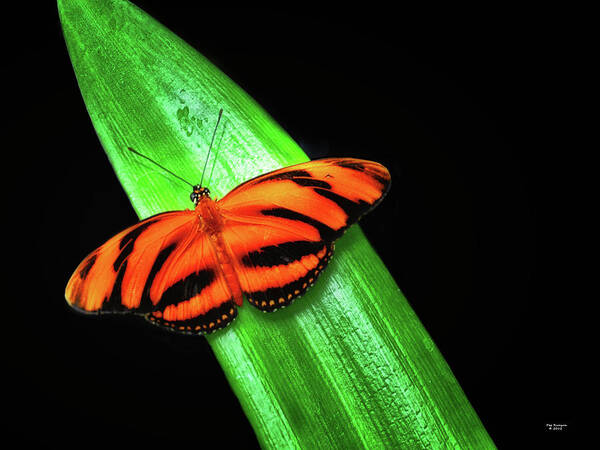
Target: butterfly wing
(281,226)
(163,267)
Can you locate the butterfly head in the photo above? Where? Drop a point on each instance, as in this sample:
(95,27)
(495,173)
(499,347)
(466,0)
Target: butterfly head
(198,193)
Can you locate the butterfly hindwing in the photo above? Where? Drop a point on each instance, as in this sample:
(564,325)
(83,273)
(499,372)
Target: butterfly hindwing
(281,294)
(194,296)
(275,264)
(214,319)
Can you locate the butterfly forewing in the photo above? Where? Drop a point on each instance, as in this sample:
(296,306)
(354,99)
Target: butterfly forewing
(118,275)
(163,267)
(281,226)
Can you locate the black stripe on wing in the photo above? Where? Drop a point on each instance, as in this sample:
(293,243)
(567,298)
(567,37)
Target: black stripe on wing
(277,297)
(326,233)
(354,210)
(127,242)
(300,177)
(113,302)
(281,254)
(185,289)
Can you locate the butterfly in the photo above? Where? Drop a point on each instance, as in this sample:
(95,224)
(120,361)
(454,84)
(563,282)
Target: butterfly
(268,239)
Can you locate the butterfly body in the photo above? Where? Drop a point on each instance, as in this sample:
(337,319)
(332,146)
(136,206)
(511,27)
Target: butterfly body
(268,239)
(212,224)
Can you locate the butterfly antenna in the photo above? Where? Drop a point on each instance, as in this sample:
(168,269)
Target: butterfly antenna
(211,144)
(162,167)
(216,154)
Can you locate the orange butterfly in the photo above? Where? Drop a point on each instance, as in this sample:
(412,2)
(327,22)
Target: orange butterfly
(269,239)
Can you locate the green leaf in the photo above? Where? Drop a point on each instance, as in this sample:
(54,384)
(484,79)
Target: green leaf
(349,364)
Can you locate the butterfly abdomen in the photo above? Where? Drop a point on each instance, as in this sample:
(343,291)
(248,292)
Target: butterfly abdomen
(228,270)
(212,223)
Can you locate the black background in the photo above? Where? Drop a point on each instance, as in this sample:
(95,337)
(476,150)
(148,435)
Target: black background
(465,107)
